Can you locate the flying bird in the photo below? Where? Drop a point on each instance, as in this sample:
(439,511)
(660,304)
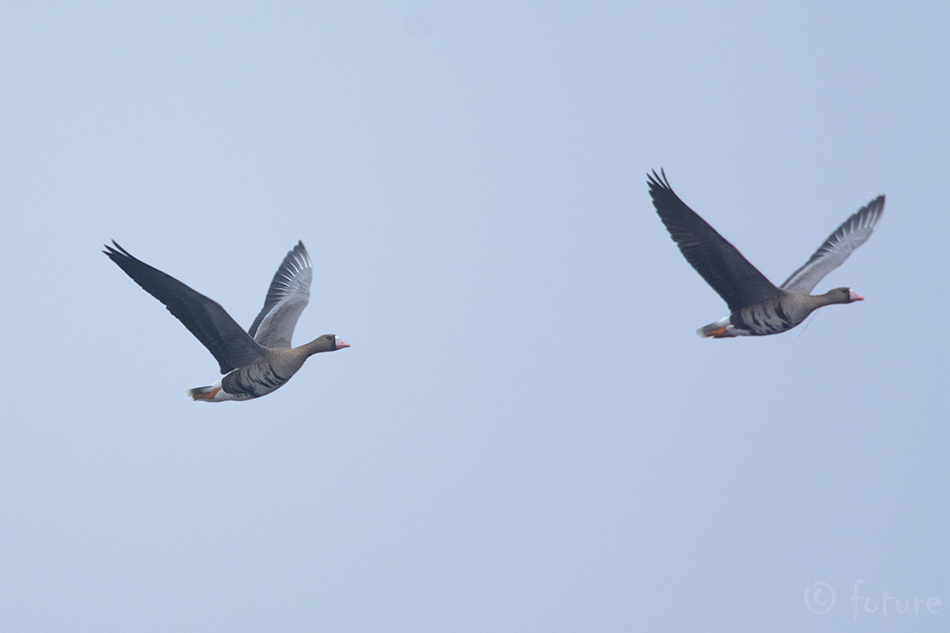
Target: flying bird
(757,307)
(255,362)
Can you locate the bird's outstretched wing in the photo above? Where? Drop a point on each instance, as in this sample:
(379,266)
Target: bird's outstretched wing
(723,267)
(287,296)
(204,318)
(851,234)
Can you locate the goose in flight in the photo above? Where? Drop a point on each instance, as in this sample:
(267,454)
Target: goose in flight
(757,307)
(255,362)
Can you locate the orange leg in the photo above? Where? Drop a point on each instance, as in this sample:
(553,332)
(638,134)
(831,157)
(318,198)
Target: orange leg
(206,396)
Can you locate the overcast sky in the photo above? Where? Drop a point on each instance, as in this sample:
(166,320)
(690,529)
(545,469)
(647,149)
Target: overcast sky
(526,434)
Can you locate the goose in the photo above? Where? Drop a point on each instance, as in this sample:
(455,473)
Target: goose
(757,307)
(255,362)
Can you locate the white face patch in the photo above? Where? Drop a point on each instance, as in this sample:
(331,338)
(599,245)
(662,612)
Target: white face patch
(338,343)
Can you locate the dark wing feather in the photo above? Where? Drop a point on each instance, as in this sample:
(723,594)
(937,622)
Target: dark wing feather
(204,318)
(723,267)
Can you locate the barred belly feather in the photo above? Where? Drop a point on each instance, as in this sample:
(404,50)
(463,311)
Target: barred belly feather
(765,318)
(253,381)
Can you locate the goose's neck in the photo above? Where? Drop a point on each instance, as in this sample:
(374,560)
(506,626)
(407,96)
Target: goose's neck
(325,343)
(315,347)
(838,295)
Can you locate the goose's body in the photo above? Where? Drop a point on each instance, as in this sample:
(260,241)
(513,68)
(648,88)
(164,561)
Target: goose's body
(758,307)
(256,362)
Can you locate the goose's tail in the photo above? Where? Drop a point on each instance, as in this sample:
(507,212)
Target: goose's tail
(720,329)
(211,393)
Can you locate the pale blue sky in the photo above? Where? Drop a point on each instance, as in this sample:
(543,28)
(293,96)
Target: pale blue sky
(526,434)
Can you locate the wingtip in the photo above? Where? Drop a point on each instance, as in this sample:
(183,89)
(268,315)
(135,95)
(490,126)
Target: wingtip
(658,180)
(300,251)
(115,249)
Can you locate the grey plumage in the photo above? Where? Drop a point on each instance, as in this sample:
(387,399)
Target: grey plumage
(256,362)
(758,307)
